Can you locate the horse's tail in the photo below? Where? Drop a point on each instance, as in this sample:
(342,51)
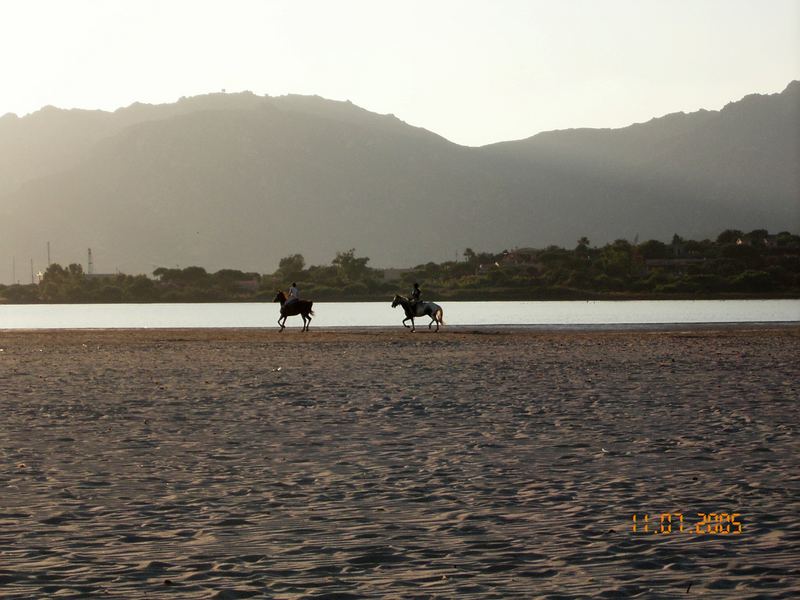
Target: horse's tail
(440,315)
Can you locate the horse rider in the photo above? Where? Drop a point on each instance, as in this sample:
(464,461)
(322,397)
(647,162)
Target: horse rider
(294,294)
(415,295)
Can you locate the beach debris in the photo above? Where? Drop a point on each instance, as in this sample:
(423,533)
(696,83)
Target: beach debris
(604,451)
(690,587)
(22,465)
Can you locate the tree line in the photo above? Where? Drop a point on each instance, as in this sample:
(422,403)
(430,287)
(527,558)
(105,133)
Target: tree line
(735,264)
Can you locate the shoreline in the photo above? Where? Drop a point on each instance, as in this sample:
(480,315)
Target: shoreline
(445,331)
(790,295)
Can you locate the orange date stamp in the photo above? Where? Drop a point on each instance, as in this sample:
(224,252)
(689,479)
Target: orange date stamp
(705,524)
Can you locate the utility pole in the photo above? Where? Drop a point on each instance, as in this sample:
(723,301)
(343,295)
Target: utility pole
(91,264)
(48,254)
(31,271)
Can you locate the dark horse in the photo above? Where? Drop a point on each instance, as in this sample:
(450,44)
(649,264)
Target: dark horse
(300,307)
(430,309)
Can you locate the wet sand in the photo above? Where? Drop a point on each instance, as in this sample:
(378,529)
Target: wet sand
(379,463)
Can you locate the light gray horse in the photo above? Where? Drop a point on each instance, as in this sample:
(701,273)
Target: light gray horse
(429,309)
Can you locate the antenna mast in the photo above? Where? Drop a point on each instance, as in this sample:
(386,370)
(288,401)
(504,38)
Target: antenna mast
(91,264)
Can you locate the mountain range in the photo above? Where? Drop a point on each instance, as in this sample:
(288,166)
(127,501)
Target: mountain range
(241,180)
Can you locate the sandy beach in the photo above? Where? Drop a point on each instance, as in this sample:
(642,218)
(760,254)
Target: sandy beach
(472,463)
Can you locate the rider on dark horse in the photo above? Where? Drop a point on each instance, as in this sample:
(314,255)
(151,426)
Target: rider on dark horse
(294,306)
(294,294)
(415,295)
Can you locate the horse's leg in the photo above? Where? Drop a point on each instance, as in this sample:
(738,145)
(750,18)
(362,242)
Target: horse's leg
(412,325)
(308,316)
(305,322)
(281,324)
(434,319)
(404,322)
(428,313)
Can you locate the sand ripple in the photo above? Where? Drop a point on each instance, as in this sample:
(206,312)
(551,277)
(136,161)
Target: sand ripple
(383,464)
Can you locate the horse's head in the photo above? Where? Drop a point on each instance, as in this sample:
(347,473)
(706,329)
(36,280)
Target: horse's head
(396,301)
(279,297)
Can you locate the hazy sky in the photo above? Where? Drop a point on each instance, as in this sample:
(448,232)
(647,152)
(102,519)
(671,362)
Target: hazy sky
(473,71)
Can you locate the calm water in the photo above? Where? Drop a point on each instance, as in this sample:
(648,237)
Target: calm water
(380,314)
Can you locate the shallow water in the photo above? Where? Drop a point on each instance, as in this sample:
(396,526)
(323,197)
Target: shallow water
(380,314)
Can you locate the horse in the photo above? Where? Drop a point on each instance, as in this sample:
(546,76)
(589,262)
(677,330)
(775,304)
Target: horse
(300,307)
(430,309)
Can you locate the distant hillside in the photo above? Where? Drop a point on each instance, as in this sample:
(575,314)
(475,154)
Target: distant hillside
(239,180)
(682,172)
